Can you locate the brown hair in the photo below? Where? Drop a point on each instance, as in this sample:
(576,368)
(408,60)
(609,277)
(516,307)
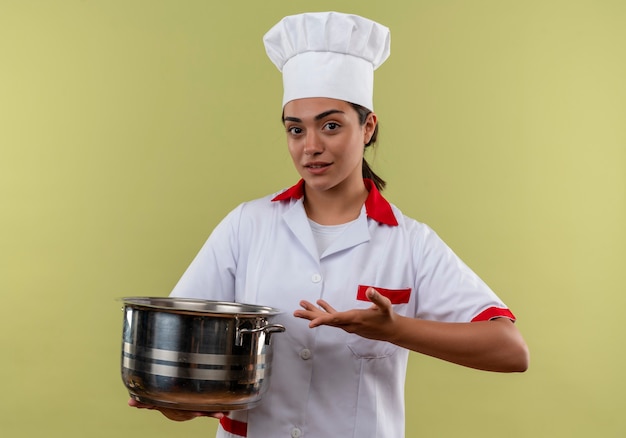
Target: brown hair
(367,170)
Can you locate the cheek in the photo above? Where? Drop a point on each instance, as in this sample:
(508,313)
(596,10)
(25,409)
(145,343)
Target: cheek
(357,149)
(293,150)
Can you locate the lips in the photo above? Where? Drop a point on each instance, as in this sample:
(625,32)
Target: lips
(317,167)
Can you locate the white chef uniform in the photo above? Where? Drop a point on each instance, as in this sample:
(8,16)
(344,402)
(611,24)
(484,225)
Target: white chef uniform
(326,382)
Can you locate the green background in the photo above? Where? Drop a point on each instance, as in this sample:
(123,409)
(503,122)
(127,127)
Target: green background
(129,128)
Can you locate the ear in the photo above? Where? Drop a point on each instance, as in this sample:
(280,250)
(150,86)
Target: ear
(369,126)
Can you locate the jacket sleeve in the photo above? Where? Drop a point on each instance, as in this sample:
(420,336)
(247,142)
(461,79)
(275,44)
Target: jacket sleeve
(448,290)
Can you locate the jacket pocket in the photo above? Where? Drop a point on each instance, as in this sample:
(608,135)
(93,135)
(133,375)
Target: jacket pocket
(364,348)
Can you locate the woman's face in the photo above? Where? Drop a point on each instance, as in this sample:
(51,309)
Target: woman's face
(326,142)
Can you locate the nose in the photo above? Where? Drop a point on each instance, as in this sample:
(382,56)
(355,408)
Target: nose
(312,143)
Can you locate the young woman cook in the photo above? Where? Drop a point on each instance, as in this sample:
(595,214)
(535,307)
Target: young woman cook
(334,249)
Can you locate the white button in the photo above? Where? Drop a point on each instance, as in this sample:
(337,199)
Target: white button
(296,433)
(316,278)
(305,354)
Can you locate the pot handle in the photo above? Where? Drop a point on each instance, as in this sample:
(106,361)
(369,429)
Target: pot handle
(268,329)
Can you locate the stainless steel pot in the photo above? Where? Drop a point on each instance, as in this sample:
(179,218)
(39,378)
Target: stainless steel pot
(196,354)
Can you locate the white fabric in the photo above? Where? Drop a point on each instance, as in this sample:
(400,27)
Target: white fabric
(264,253)
(328,54)
(324,235)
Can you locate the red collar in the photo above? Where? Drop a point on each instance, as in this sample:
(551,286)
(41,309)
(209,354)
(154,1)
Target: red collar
(376,206)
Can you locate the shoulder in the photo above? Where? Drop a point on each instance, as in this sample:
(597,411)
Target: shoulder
(250,217)
(408,223)
(419,234)
(261,208)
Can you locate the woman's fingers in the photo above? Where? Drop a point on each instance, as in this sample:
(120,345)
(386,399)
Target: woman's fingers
(327,307)
(365,322)
(378,299)
(317,315)
(175,414)
(306,305)
(136,404)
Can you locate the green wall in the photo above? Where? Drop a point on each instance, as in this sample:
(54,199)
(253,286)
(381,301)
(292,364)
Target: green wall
(129,128)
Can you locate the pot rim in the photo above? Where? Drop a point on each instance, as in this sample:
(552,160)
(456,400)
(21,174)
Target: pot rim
(200,306)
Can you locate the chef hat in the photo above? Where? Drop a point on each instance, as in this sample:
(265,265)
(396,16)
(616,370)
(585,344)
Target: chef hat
(328,54)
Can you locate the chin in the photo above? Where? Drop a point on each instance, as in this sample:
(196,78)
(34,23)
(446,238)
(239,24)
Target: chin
(319,184)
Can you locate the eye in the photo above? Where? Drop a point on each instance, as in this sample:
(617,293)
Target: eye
(294,130)
(331,126)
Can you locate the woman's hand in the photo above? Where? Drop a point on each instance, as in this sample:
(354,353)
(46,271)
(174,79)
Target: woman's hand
(372,323)
(494,345)
(175,414)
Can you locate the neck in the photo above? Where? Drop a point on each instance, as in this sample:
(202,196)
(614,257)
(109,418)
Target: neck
(335,206)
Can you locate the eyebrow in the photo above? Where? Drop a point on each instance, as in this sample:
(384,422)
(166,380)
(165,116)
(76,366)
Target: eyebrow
(320,116)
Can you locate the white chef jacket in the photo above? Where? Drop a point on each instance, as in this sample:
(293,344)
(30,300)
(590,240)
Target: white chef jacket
(326,382)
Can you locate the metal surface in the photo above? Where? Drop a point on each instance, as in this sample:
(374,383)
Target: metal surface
(217,308)
(197,354)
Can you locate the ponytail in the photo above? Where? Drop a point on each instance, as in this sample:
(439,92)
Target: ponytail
(367,170)
(369,173)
